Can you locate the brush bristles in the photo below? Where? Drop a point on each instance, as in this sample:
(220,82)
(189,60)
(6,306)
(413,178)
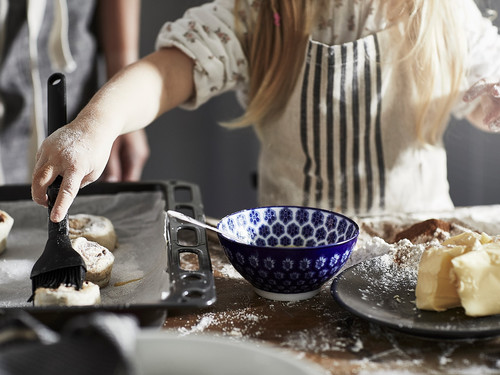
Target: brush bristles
(70,276)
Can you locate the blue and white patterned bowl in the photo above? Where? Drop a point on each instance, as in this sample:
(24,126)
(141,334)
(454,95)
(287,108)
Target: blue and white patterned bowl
(286,252)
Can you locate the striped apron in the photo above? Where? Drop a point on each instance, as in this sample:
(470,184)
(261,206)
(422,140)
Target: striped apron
(347,139)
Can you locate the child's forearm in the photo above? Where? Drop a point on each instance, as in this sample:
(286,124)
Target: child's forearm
(138,94)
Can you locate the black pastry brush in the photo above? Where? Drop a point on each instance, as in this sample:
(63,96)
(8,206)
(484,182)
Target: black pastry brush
(59,262)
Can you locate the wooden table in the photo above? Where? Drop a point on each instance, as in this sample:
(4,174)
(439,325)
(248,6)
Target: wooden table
(319,330)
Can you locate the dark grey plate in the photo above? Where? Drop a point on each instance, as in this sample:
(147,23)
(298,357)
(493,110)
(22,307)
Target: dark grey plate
(384,293)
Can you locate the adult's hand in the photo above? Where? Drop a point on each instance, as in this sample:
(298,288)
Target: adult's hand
(128,156)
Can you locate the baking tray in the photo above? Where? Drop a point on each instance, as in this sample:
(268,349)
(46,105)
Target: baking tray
(182,288)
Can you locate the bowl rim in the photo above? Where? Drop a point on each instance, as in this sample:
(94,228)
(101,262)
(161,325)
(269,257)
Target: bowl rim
(354,237)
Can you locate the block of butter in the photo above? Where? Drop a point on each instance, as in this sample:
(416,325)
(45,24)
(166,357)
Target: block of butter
(436,282)
(473,241)
(463,271)
(478,275)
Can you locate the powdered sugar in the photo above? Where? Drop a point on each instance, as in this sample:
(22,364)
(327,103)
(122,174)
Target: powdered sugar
(200,326)
(230,272)
(224,322)
(367,249)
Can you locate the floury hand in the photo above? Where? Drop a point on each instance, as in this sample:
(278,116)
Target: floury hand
(488,92)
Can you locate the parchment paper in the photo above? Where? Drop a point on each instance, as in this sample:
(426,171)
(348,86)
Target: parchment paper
(138,275)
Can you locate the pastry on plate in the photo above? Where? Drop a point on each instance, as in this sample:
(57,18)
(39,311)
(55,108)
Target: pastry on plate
(94,228)
(98,260)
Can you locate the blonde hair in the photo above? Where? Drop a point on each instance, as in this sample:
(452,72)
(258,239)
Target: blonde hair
(432,43)
(436,49)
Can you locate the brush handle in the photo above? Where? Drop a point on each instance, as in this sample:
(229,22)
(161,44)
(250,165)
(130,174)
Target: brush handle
(56,100)
(60,228)
(57,118)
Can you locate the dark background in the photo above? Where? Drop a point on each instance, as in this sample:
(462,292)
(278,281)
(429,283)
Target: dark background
(191,146)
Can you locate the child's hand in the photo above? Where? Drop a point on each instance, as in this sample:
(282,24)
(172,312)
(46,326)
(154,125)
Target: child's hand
(76,155)
(489,95)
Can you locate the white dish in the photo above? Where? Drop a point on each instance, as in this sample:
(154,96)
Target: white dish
(163,352)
